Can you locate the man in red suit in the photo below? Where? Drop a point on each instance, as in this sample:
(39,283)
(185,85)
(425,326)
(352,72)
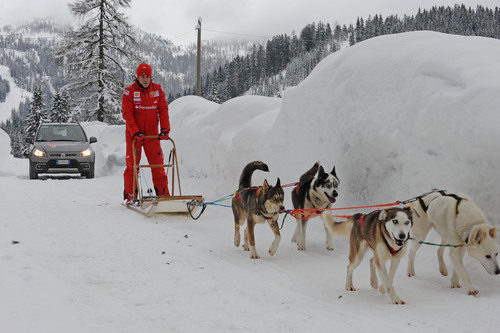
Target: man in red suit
(144,106)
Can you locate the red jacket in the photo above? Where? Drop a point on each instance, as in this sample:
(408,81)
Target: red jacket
(142,108)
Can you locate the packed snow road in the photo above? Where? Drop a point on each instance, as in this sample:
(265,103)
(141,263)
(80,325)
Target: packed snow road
(85,263)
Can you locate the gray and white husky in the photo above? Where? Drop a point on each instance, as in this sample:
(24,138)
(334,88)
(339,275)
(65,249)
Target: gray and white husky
(316,190)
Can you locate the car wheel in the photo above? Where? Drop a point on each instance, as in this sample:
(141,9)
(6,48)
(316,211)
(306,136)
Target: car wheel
(90,174)
(33,174)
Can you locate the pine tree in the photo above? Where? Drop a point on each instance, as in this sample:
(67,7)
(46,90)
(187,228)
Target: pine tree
(60,112)
(92,55)
(37,115)
(214,94)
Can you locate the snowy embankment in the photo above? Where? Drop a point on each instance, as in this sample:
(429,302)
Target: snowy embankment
(396,114)
(14,97)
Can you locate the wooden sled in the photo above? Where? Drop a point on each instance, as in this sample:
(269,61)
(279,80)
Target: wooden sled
(173,204)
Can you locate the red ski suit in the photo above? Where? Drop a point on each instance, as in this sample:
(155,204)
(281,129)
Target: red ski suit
(142,108)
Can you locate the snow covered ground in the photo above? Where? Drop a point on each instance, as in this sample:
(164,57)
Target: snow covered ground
(397,115)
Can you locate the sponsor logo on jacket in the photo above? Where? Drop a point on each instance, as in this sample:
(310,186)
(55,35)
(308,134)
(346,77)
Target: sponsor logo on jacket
(146,107)
(137,94)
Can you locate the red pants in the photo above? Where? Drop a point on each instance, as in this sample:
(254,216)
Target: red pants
(154,154)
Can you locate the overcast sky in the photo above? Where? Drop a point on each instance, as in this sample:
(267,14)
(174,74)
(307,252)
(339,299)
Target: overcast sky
(171,18)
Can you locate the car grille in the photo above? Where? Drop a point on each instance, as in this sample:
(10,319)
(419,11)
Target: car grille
(65,155)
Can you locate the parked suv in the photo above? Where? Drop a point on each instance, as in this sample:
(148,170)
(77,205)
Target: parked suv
(61,148)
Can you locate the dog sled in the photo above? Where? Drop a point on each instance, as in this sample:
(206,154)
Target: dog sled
(173,204)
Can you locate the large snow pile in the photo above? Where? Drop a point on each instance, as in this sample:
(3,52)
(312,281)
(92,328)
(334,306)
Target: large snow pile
(398,115)
(109,148)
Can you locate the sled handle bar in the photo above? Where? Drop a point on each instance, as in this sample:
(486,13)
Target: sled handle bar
(174,165)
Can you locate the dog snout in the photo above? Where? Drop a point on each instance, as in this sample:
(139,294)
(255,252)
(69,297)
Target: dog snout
(497,271)
(282,207)
(334,194)
(402,236)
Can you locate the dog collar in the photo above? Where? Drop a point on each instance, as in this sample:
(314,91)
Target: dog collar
(393,252)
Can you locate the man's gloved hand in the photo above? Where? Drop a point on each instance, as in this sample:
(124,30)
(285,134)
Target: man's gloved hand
(163,134)
(139,138)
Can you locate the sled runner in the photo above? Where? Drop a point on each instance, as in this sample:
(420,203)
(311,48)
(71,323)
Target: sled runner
(149,205)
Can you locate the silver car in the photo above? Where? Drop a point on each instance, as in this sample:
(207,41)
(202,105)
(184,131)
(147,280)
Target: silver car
(61,148)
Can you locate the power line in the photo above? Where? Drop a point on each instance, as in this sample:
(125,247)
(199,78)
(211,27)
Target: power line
(260,36)
(182,34)
(234,33)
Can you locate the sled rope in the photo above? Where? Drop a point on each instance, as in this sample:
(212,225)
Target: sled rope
(303,214)
(436,244)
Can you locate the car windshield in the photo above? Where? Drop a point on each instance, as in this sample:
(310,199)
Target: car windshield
(61,133)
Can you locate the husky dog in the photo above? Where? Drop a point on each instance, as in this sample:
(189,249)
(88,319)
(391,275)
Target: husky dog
(459,221)
(386,232)
(256,205)
(316,190)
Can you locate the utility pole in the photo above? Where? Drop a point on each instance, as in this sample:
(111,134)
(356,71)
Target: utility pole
(198,58)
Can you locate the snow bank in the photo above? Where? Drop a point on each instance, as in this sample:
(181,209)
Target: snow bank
(215,141)
(401,114)
(8,164)
(109,148)
(398,115)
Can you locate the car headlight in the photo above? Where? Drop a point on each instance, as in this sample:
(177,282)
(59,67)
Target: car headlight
(38,152)
(86,152)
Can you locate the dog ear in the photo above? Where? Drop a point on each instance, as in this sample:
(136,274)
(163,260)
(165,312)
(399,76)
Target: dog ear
(278,183)
(409,212)
(321,170)
(476,236)
(265,187)
(493,233)
(333,172)
(382,215)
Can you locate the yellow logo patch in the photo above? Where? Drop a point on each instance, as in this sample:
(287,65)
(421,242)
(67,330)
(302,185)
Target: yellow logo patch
(152,93)
(137,94)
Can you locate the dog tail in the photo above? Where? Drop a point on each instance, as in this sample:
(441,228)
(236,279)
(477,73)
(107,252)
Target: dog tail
(309,174)
(338,229)
(246,174)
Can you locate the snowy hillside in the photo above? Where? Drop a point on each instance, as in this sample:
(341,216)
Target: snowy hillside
(27,50)
(14,96)
(397,115)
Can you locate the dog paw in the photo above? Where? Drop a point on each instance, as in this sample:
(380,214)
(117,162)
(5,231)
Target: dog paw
(246,248)
(443,271)
(455,284)
(350,288)
(398,300)
(301,247)
(272,252)
(254,256)
(329,248)
(237,241)
(473,292)
(410,272)
(382,289)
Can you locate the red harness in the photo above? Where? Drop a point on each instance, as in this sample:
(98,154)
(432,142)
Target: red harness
(237,193)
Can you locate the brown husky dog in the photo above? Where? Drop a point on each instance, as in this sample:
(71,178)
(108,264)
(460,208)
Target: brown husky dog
(385,232)
(257,204)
